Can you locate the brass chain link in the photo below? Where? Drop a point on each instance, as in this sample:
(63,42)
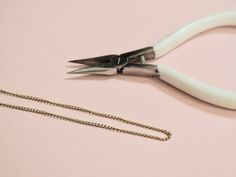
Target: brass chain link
(88,123)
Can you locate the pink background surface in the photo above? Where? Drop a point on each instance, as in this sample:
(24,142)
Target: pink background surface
(37,40)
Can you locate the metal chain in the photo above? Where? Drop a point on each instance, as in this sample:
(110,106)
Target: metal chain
(81,109)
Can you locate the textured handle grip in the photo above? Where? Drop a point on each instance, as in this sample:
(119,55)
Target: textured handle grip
(175,39)
(197,89)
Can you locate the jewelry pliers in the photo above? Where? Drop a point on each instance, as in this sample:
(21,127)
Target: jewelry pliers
(134,62)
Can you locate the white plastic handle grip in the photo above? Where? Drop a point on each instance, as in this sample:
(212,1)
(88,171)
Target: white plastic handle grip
(197,89)
(177,38)
(185,83)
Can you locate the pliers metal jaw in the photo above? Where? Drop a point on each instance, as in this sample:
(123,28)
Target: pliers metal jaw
(133,62)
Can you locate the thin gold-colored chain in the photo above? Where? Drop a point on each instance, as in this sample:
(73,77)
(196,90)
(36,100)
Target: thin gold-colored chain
(88,123)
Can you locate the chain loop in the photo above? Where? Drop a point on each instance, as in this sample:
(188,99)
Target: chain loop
(81,109)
